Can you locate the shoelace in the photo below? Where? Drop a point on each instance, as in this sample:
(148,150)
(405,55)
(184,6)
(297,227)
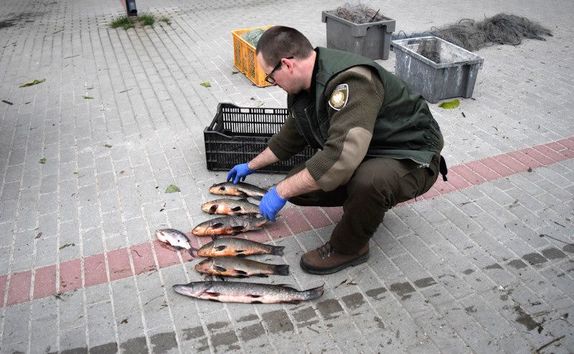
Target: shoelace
(325,250)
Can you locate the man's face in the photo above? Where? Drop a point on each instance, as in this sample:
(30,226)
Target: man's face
(280,74)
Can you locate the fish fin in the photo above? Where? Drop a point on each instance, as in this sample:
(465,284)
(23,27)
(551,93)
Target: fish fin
(277,250)
(241,272)
(237,229)
(240,253)
(237,208)
(256,302)
(281,269)
(220,268)
(293,302)
(212,293)
(221,248)
(217,225)
(255,296)
(314,293)
(262,275)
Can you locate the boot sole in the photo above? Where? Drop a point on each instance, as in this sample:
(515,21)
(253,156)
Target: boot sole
(319,271)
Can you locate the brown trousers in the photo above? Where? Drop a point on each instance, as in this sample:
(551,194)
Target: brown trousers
(377,185)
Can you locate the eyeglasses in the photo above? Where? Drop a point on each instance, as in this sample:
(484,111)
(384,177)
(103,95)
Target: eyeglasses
(269,78)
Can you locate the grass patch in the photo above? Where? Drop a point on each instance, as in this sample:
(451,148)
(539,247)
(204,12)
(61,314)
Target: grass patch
(123,22)
(146,19)
(142,20)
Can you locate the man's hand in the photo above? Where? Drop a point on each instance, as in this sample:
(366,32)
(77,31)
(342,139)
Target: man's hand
(239,172)
(271,204)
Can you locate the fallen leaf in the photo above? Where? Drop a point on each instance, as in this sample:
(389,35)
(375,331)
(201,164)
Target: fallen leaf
(67,245)
(32,83)
(172,189)
(205,84)
(43,160)
(450,104)
(107,145)
(38,235)
(88,97)
(7,102)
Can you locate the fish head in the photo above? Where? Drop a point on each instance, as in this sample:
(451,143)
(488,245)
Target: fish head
(224,189)
(193,289)
(204,266)
(209,207)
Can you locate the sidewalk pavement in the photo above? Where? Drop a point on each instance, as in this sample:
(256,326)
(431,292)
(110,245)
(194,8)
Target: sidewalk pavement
(481,264)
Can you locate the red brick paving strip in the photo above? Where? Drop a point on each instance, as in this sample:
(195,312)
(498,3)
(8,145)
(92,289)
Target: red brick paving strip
(45,282)
(19,288)
(142,255)
(119,262)
(70,275)
(95,270)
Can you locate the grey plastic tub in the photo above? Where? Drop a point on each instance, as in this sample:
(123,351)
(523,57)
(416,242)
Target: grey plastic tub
(372,40)
(435,68)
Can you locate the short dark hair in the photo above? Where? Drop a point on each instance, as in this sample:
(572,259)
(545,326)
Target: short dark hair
(281,42)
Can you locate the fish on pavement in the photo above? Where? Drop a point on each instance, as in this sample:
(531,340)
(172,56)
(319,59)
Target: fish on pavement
(174,238)
(239,267)
(249,293)
(228,225)
(231,246)
(240,189)
(228,206)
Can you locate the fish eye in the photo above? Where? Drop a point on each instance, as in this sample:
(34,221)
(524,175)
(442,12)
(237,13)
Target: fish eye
(213,209)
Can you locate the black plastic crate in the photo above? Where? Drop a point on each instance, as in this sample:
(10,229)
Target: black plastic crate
(238,134)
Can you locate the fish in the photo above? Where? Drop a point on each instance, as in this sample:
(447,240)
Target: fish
(228,225)
(228,206)
(239,267)
(247,293)
(240,189)
(231,246)
(174,238)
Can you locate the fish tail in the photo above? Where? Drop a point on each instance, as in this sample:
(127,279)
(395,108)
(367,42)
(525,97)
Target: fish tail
(281,269)
(314,293)
(277,250)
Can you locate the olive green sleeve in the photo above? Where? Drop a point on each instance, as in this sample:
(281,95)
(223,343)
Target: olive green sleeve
(350,130)
(287,142)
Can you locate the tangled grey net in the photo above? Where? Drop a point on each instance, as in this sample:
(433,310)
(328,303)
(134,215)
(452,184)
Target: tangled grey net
(359,13)
(252,37)
(498,29)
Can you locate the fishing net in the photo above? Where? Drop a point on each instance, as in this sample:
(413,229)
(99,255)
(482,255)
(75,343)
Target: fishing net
(358,13)
(252,37)
(498,29)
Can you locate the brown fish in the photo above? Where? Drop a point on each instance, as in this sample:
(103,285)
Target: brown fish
(231,246)
(239,267)
(228,225)
(249,293)
(240,189)
(228,206)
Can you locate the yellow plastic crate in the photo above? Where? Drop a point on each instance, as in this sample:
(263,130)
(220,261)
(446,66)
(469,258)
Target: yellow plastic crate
(244,57)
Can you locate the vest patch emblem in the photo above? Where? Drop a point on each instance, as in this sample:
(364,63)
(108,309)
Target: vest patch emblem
(339,97)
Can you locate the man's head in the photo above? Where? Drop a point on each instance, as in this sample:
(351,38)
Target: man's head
(287,57)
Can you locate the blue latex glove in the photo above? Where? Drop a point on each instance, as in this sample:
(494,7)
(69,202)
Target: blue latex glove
(239,172)
(271,204)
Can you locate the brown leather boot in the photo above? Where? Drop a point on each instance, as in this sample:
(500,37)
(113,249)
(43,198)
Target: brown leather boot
(325,260)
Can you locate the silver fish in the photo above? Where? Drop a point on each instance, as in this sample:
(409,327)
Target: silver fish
(173,237)
(239,267)
(228,206)
(240,189)
(248,293)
